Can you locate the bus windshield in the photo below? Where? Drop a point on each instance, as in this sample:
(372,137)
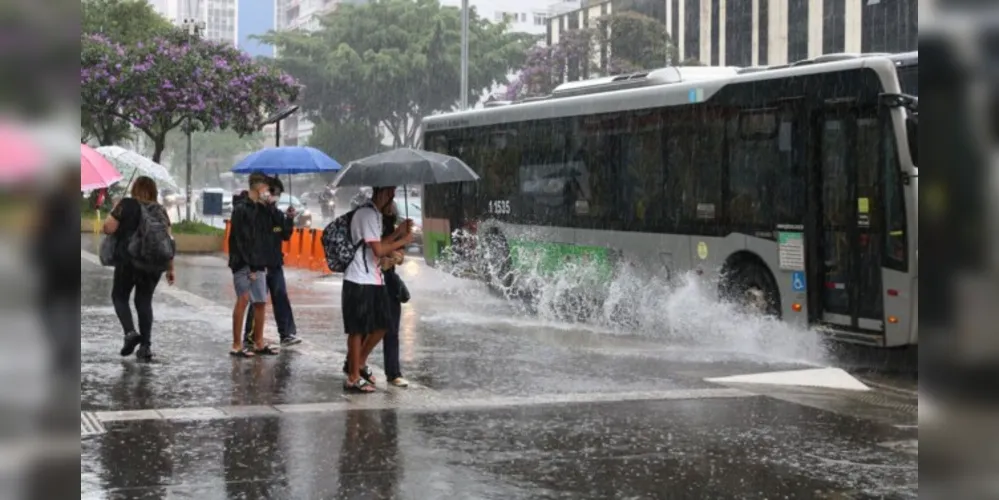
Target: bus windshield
(908,79)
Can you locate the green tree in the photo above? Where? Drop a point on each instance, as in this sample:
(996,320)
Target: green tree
(388,63)
(211,153)
(636,42)
(345,142)
(127,22)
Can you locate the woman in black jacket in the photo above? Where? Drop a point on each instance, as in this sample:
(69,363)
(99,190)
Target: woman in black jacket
(398,294)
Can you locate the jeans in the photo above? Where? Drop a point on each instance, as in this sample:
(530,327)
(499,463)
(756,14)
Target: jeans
(390,344)
(280,304)
(126,278)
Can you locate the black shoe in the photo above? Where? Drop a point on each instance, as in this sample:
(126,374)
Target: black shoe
(290,340)
(144,354)
(131,342)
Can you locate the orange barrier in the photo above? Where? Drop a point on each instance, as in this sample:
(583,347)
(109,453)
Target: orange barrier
(318,255)
(305,249)
(291,251)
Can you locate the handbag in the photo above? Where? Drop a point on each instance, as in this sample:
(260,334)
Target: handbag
(109,247)
(396,287)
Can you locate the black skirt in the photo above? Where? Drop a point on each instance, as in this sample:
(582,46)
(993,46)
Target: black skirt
(365,308)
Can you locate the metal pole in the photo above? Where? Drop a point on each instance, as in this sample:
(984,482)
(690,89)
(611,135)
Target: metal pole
(464,54)
(187,203)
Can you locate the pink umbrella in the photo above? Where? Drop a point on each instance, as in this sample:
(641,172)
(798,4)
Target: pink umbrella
(20,155)
(96,172)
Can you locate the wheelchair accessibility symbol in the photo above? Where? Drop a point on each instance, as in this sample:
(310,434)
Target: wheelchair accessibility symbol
(798,281)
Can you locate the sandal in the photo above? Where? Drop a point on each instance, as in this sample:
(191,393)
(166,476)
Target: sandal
(242,353)
(366,373)
(268,350)
(360,387)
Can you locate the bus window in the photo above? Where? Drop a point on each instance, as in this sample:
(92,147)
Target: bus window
(694,162)
(641,174)
(753,160)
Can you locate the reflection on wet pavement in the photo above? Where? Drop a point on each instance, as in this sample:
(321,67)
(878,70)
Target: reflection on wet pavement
(506,406)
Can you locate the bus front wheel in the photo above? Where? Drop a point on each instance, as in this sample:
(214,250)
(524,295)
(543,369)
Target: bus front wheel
(495,259)
(751,286)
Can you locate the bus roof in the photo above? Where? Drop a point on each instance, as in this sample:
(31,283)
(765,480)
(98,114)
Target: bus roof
(663,87)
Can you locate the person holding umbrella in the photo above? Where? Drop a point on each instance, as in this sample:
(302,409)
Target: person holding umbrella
(283,225)
(364,301)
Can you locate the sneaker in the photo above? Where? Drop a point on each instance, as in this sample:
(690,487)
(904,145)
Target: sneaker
(399,382)
(291,340)
(131,342)
(144,354)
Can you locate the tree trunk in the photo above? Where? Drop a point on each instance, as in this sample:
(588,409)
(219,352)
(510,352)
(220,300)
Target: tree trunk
(159,144)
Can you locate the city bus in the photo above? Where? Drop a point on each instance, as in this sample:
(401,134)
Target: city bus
(793,189)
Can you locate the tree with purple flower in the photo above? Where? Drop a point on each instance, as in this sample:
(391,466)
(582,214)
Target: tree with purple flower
(172,81)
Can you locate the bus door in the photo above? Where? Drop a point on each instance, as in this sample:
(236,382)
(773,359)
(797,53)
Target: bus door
(846,221)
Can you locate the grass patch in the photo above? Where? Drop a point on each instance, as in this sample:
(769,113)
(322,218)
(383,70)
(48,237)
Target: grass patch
(194,227)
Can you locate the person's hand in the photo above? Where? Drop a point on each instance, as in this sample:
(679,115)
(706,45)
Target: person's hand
(385,263)
(406,238)
(398,258)
(171,277)
(409,225)
(253,276)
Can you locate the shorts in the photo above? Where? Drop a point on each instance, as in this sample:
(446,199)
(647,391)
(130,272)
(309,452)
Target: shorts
(365,308)
(244,285)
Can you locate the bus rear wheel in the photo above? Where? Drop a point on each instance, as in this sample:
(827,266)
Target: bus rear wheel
(750,286)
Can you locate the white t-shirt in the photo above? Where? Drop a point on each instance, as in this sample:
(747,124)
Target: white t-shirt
(367,226)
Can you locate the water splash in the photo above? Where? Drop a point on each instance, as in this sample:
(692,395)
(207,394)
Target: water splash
(683,310)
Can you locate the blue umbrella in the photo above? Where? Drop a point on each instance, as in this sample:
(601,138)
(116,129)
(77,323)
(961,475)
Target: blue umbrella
(287,160)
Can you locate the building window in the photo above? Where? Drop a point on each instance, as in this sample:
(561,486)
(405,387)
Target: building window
(540,19)
(797,31)
(833,26)
(764,20)
(738,33)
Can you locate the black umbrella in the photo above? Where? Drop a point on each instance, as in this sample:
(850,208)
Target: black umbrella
(404,167)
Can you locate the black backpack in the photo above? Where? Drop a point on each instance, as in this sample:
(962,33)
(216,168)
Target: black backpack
(151,247)
(337,244)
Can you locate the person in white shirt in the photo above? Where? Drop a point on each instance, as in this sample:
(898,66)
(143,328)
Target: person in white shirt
(364,301)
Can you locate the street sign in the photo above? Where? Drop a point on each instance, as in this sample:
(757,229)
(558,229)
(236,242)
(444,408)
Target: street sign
(211,203)
(798,281)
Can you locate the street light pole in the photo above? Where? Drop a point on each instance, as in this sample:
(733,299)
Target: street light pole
(464,54)
(192,26)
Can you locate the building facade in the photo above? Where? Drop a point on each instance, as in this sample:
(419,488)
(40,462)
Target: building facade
(219,16)
(764,32)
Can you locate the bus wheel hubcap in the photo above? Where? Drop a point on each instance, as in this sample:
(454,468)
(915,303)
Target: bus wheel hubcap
(756,300)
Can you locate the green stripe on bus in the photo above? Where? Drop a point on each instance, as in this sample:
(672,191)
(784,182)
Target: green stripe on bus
(433,243)
(547,258)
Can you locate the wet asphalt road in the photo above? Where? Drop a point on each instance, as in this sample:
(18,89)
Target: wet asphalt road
(504,406)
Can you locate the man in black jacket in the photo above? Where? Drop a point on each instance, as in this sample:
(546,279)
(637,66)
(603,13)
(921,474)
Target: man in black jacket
(249,242)
(282,226)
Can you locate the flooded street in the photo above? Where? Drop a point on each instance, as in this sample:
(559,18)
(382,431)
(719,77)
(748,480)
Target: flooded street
(687,400)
